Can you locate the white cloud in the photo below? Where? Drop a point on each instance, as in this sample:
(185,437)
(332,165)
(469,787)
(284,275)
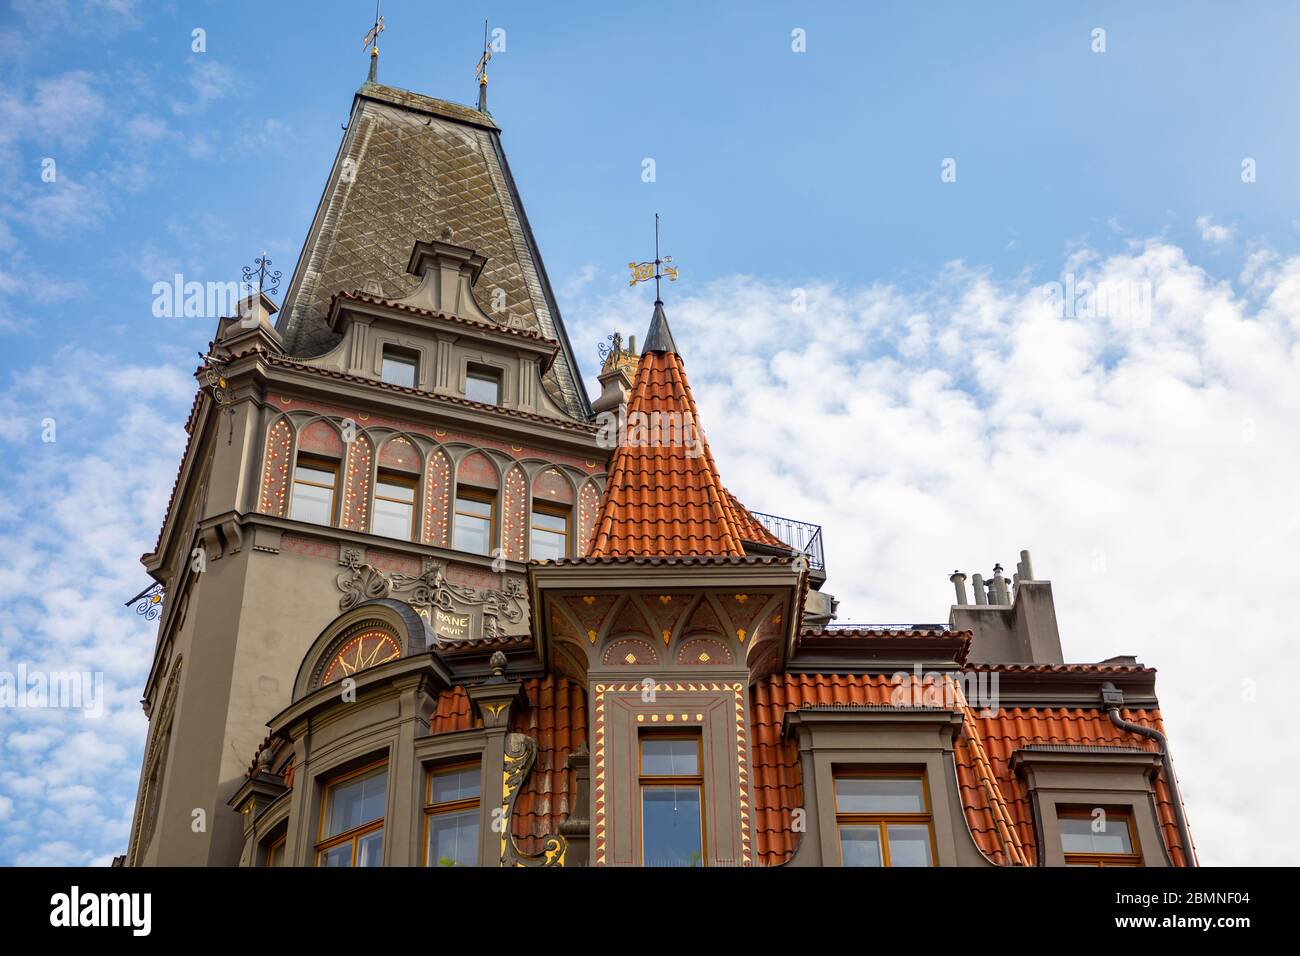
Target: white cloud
(1148,466)
(74,517)
(1212,232)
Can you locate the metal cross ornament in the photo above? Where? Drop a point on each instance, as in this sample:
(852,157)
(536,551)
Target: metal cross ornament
(267,281)
(656,269)
(372,38)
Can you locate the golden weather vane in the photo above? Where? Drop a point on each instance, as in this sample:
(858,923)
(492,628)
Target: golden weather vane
(372,40)
(656,269)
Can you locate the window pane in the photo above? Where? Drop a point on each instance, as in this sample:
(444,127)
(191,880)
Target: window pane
(395,489)
(473,534)
(318,476)
(370,849)
(454,785)
(668,757)
(356,802)
(275,856)
(392,519)
(337,856)
(453,839)
(311,503)
(879,795)
(547,545)
(909,845)
(671,826)
(550,521)
(474,506)
(1079,836)
(483,387)
(860,846)
(398,370)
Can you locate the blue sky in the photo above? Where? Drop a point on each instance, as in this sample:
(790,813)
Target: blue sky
(775,171)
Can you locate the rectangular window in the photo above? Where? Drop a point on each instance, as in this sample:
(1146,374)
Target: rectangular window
(672,800)
(398,367)
(451,816)
(483,385)
(314,484)
(1092,838)
(473,531)
(550,538)
(394,513)
(883,819)
(352,819)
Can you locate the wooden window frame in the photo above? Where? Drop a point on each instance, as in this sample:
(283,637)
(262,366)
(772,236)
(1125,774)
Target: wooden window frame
(475,494)
(322,464)
(398,353)
(882,820)
(1101,859)
(477,370)
(275,844)
(358,831)
(406,481)
(555,511)
(451,806)
(679,780)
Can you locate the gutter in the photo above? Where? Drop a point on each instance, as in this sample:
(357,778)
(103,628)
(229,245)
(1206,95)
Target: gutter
(1112,699)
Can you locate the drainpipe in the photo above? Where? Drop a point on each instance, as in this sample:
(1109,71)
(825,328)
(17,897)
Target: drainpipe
(1112,698)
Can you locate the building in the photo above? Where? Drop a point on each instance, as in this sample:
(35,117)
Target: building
(425,603)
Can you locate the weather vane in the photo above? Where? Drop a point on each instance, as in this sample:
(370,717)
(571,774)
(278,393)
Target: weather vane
(480,70)
(268,282)
(658,269)
(372,41)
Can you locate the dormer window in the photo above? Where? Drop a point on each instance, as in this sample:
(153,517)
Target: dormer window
(398,367)
(483,385)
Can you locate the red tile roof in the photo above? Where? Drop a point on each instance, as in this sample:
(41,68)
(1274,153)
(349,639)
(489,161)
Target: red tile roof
(662,497)
(557,719)
(995,801)
(750,528)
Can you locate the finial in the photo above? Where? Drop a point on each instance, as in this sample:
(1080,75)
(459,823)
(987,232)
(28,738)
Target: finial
(372,40)
(481,71)
(267,281)
(498,664)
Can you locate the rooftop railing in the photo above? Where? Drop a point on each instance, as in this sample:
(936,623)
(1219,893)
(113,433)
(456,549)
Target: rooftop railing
(799,535)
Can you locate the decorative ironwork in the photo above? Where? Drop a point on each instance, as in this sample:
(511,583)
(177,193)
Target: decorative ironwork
(800,535)
(612,345)
(214,378)
(887,628)
(149,602)
(480,69)
(267,281)
(656,269)
(520,754)
(372,36)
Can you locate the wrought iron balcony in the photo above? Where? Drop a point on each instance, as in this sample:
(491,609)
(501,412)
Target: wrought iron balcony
(799,535)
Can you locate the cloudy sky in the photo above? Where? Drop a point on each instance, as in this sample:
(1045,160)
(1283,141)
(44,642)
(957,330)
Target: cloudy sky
(873,348)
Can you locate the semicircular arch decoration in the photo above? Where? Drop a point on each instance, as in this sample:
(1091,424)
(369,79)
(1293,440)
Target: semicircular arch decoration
(704,650)
(360,647)
(630,652)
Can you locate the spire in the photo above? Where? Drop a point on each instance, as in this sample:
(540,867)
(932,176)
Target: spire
(372,40)
(660,337)
(481,71)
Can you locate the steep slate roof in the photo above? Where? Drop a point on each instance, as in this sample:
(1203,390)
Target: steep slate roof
(409,167)
(995,801)
(663,499)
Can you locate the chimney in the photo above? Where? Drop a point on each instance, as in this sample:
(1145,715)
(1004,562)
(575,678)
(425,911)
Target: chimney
(1006,627)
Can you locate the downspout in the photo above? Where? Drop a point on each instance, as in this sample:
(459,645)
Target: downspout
(1112,699)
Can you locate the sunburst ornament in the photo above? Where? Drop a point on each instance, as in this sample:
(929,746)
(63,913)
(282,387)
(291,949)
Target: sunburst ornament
(365,650)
